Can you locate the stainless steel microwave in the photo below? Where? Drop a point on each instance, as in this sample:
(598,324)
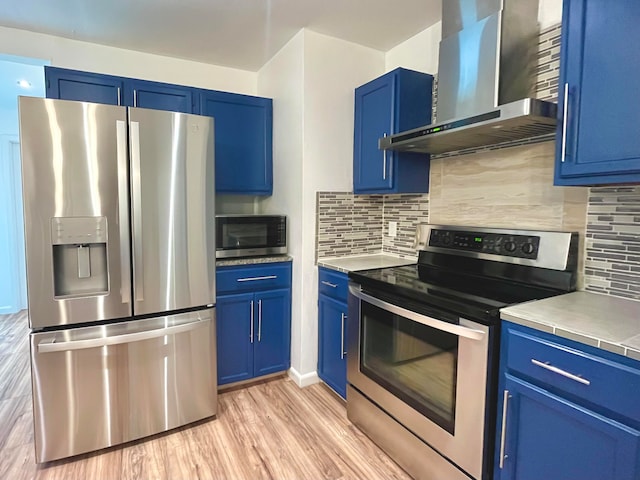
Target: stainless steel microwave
(250,235)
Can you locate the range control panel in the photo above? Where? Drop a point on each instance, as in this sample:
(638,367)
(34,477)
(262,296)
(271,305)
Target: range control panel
(520,246)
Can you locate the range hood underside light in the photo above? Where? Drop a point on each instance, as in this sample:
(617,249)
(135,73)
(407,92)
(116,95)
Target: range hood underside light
(511,122)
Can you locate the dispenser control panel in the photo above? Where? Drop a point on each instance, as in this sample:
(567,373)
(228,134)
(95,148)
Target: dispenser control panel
(78,230)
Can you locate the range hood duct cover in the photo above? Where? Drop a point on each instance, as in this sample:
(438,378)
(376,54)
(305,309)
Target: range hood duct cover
(486,80)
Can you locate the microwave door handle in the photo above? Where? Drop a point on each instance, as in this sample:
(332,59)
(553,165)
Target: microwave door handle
(459,330)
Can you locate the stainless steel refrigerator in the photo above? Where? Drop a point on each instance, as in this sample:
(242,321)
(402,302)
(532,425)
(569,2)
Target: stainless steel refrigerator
(120,247)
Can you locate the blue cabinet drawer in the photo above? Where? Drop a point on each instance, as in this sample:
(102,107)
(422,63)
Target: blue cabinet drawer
(598,381)
(253,278)
(333,284)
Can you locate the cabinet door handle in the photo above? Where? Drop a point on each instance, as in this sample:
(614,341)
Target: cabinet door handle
(503,432)
(384,163)
(259,320)
(251,323)
(119,102)
(253,279)
(329,284)
(565,116)
(559,371)
(135,98)
(342,352)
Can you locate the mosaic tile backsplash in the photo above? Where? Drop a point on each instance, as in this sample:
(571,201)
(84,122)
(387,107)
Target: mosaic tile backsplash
(612,263)
(349,224)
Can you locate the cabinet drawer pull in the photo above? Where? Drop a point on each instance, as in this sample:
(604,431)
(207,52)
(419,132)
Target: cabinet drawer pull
(559,371)
(342,352)
(329,284)
(253,279)
(384,163)
(260,320)
(503,433)
(251,323)
(565,115)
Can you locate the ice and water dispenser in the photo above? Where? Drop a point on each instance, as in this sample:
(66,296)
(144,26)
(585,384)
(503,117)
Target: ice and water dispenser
(79,256)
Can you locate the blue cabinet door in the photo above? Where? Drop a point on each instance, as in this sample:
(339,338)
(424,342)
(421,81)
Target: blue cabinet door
(65,84)
(243,141)
(598,94)
(161,96)
(399,100)
(272,331)
(372,167)
(234,327)
(549,437)
(332,360)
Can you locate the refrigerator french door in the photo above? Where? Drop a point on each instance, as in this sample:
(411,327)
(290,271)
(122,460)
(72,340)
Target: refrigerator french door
(120,246)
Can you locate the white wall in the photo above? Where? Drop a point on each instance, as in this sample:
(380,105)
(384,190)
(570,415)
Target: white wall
(332,70)
(419,53)
(282,79)
(311,81)
(549,13)
(66,53)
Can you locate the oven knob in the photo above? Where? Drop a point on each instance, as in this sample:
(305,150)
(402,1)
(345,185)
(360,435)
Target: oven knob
(528,248)
(446,239)
(510,246)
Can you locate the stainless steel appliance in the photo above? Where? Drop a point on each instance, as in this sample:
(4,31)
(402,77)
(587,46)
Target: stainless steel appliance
(486,78)
(119,233)
(423,341)
(250,235)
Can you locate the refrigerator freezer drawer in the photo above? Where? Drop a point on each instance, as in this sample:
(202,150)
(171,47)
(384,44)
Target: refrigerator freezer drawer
(98,386)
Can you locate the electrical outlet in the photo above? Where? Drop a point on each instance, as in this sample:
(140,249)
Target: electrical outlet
(393,229)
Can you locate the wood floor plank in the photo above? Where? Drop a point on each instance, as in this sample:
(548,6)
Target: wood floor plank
(269,431)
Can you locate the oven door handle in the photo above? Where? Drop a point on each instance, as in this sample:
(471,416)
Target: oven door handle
(416,317)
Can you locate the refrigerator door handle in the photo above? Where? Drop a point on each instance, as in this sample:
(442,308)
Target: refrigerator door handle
(123,209)
(50,345)
(136,209)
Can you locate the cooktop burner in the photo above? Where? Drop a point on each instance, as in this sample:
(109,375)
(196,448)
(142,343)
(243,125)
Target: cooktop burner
(475,272)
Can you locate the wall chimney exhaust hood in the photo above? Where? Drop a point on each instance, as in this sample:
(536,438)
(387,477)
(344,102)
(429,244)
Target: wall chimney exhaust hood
(486,79)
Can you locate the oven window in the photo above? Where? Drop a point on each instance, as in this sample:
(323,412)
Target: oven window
(416,363)
(244,235)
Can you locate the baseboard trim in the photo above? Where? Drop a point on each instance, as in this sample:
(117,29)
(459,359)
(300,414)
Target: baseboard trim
(303,380)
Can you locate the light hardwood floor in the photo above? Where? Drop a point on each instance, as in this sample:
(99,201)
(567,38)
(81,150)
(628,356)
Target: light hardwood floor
(273,430)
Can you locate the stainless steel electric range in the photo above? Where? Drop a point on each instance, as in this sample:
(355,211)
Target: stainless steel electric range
(423,341)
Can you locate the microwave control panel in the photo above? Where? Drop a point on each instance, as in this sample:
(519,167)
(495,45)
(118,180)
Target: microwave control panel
(519,246)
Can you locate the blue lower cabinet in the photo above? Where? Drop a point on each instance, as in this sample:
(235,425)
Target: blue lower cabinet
(332,360)
(549,437)
(272,337)
(566,410)
(234,323)
(253,321)
(332,329)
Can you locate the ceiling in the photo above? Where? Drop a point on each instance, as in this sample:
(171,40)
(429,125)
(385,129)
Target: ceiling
(242,34)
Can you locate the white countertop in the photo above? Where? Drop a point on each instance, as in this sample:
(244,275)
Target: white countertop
(363,262)
(602,321)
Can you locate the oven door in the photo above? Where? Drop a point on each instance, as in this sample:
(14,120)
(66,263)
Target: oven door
(426,368)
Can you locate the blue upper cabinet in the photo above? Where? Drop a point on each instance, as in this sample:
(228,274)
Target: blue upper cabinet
(243,141)
(395,102)
(65,84)
(93,87)
(161,96)
(598,94)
